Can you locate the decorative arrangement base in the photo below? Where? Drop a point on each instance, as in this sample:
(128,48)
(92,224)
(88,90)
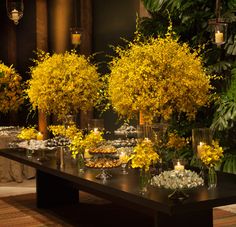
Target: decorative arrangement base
(123,169)
(178,195)
(104,175)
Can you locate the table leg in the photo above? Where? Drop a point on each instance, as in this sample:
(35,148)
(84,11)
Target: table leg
(194,219)
(53,191)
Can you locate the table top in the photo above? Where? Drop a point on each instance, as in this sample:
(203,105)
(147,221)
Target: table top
(124,188)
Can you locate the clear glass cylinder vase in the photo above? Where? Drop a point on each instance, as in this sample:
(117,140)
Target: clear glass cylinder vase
(201,136)
(80,163)
(212,178)
(144,177)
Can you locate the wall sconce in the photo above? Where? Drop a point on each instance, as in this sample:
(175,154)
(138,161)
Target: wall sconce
(218,27)
(75,31)
(15,10)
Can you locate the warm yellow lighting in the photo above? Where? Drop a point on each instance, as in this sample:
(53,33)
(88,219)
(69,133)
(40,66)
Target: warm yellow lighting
(219,37)
(39,136)
(199,148)
(178,166)
(15,10)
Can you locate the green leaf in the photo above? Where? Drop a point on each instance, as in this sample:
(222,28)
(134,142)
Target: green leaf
(229,165)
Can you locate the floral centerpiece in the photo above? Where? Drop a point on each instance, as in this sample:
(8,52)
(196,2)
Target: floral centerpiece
(28,133)
(158,77)
(177,179)
(63,84)
(61,130)
(11,90)
(211,156)
(144,155)
(82,143)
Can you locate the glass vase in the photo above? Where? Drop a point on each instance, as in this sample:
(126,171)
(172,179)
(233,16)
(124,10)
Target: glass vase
(80,163)
(212,178)
(201,136)
(144,177)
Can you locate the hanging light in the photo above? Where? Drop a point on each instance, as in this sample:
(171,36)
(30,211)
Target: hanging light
(76,36)
(218,30)
(218,27)
(15,10)
(75,31)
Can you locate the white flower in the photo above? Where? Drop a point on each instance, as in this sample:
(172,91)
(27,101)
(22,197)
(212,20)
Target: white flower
(177,179)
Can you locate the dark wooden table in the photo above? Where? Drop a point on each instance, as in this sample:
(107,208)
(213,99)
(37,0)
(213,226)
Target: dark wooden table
(58,185)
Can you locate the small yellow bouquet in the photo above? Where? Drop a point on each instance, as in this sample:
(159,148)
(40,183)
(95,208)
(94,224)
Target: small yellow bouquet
(28,133)
(60,130)
(80,143)
(144,155)
(211,155)
(76,145)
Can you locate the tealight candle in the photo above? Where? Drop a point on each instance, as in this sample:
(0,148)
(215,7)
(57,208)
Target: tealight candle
(96,131)
(178,166)
(147,140)
(219,37)
(39,136)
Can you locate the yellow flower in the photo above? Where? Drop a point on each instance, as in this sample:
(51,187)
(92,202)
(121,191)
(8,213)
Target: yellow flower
(80,143)
(176,142)
(11,89)
(60,130)
(211,155)
(63,84)
(28,133)
(158,77)
(76,146)
(92,140)
(144,155)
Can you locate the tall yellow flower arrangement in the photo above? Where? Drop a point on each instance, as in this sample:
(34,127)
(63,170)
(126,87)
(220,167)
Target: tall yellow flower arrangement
(158,77)
(11,89)
(63,84)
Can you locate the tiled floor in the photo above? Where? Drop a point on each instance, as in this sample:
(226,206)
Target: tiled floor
(28,186)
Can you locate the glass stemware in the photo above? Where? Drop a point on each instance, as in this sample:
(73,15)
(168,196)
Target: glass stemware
(123,169)
(124,155)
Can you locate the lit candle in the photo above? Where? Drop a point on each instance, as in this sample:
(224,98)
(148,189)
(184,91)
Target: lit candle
(199,148)
(219,37)
(75,39)
(178,166)
(15,15)
(96,131)
(147,140)
(39,136)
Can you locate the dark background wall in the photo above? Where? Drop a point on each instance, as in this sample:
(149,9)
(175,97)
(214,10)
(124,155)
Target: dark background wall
(17,46)
(112,20)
